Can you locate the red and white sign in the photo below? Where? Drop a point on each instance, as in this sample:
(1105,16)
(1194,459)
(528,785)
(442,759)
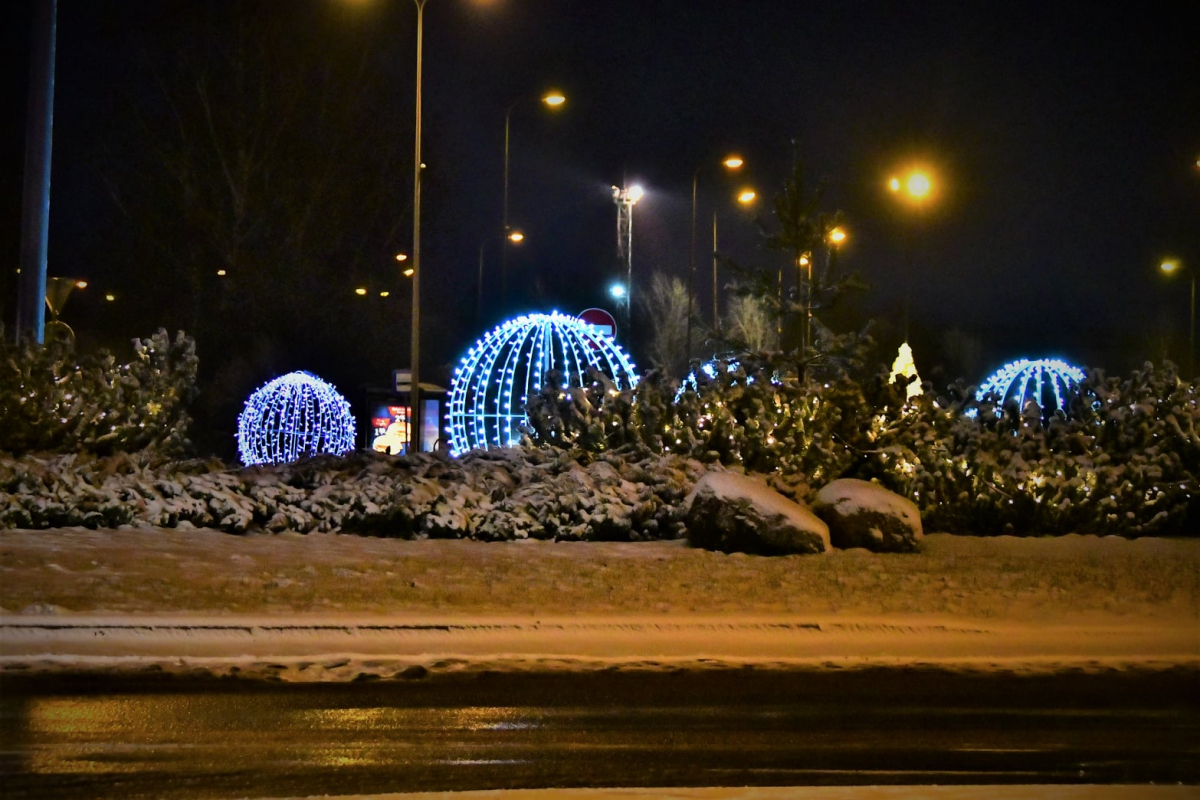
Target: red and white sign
(601,319)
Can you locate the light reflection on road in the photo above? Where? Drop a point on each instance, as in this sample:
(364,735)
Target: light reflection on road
(214,739)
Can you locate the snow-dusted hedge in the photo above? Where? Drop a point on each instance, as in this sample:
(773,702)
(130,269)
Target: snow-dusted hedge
(1124,458)
(493,495)
(54,399)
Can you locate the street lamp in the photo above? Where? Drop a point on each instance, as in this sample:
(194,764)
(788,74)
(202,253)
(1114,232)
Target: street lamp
(553,100)
(730,162)
(516,237)
(746,197)
(915,188)
(626,199)
(414,392)
(1171,266)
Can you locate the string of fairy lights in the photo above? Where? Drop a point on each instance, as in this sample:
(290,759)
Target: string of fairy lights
(294,416)
(504,368)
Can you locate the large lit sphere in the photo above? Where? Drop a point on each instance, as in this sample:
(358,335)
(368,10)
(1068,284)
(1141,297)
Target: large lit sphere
(504,368)
(297,415)
(1046,381)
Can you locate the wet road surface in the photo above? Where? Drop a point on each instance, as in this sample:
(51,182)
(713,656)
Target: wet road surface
(170,737)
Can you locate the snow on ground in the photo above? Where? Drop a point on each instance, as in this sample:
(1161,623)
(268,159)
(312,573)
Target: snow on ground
(166,571)
(333,607)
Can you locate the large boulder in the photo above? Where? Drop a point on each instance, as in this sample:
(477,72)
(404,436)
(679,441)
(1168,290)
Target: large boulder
(733,513)
(862,514)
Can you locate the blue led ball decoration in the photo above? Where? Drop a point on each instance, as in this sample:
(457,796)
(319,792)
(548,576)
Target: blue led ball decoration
(1046,381)
(294,416)
(505,367)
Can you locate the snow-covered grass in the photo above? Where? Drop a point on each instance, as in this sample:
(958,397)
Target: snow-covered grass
(158,571)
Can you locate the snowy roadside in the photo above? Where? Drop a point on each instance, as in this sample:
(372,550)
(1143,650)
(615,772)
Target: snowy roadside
(328,607)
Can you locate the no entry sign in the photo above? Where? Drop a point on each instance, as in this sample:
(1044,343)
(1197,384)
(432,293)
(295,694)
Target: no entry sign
(599,318)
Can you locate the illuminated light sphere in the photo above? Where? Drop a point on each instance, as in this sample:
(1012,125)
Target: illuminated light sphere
(1024,380)
(297,415)
(504,368)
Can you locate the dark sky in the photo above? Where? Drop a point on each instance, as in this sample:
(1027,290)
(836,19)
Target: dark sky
(1063,138)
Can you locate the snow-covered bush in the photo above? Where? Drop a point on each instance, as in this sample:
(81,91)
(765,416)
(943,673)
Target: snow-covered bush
(1124,458)
(53,399)
(491,495)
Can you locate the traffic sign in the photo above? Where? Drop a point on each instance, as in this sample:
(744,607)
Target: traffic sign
(601,319)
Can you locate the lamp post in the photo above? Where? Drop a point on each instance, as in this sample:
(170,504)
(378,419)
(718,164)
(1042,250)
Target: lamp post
(745,197)
(730,162)
(1170,266)
(515,237)
(626,199)
(916,188)
(414,392)
(553,100)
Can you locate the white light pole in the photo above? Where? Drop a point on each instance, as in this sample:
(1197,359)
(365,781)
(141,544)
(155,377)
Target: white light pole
(626,199)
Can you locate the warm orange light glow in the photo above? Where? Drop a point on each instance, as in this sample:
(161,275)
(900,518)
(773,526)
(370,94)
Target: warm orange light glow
(402,256)
(554,99)
(733,162)
(837,236)
(918,184)
(110,297)
(516,236)
(746,196)
(408,273)
(80,284)
(360,291)
(384,294)
(221,273)
(1169,265)
(803,260)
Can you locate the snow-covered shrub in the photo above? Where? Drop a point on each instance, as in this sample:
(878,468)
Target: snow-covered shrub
(1124,458)
(492,495)
(53,399)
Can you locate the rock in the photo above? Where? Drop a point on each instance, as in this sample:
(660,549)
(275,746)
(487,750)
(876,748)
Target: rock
(731,512)
(862,514)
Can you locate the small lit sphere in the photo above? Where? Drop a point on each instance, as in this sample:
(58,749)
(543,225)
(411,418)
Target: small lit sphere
(1046,381)
(503,369)
(297,415)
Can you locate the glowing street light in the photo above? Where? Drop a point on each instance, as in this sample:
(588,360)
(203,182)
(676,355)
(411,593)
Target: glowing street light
(626,199)
(361,291)
(516,237)
(553,100)
(745,197)
(617,290)
(730,162)
(916,188)
(402,257)
(1170,267)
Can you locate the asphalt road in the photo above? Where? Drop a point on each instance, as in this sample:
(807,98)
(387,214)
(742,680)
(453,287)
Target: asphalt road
(145,735)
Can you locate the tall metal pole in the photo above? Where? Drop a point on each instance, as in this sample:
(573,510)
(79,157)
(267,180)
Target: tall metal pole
(692,264)
(35,221)
(1192,330)
(716,316)
(504,231)
(414,394)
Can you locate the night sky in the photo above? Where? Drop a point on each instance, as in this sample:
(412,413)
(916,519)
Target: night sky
(1063,139)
